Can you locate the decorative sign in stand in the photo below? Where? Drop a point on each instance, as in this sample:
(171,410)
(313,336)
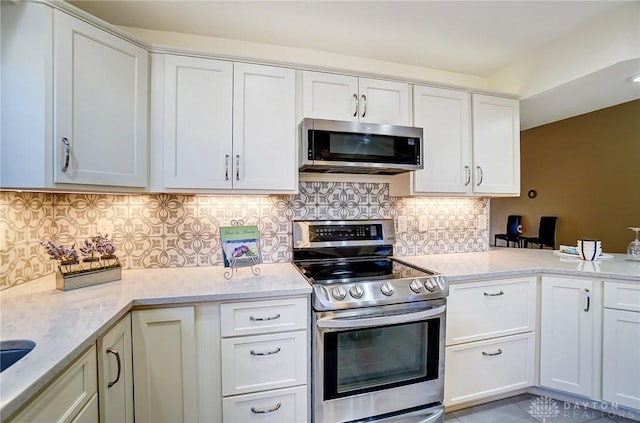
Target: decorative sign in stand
(240,247)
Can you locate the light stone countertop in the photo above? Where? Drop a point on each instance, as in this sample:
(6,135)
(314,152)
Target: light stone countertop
(504,262)
(64,324)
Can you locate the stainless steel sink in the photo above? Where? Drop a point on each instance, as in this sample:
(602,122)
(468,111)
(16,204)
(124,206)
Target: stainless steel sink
(11,351)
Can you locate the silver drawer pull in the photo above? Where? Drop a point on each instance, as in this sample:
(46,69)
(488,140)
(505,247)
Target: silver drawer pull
(263,319)
(488,294)
(492,354)
(276,351)
(265,411)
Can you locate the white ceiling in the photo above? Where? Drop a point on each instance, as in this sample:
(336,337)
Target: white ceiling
(477,38)
(471,37)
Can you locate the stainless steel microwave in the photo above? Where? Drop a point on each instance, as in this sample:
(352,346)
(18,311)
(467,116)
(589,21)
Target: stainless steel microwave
(330,146)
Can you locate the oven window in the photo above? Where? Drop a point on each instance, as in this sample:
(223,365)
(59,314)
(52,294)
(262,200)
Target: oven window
(371,359)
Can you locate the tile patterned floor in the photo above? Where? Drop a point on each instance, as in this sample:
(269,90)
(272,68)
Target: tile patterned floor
(528,408)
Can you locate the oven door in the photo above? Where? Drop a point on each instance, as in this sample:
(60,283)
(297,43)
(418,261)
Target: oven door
(378,361)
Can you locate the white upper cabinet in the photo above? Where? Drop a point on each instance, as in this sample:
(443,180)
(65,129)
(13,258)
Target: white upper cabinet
(471,145)
(220,125)
(264,128)
(349,98)
(194,128)
(496,145)
(445,116)
(83,121)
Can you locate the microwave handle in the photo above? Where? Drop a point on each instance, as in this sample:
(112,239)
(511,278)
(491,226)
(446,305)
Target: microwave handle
(378,321)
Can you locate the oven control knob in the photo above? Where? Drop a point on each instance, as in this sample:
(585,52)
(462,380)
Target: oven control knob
(338,292)
(356,291)
(415,285)
(387,289)
(430,284)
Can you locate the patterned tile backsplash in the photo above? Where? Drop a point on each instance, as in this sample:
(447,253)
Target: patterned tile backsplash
(167,230)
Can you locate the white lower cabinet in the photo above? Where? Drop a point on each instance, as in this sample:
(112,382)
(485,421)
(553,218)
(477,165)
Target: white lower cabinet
(621,344)
(164,351)
(490,341)
(73,397)
(570,335)
(115,373)
(264,371)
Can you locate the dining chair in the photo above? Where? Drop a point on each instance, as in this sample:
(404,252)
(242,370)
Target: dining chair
(512,234)
(546,233)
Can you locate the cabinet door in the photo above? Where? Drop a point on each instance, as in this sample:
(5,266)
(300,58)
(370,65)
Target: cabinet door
(496,145)
(164,367)
(71,396)
(445,116)
(329,96)
(264,128)
(115,375)
(568,323)
(196,121)
(384,102)
(100,101)
(620,363)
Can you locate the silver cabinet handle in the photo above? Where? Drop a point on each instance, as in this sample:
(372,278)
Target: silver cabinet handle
(467,173)
(276,351)
(497,294)
(480,175)
(226,167)
(67,153)
(364,103)
(267,410)
(114,352)
(492,354)
(355,101)
(262,319)
(588,295)
(237,167)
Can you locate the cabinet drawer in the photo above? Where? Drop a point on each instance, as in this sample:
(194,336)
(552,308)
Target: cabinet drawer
(623,296)
(485,368)
(490,309)
(261,362)
(281,405)
(257,317)
(66,398)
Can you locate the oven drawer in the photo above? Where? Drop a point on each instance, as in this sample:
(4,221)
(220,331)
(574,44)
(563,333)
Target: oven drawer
(490,309)
(261,362)
(485,368)
(255,317)
(278,406)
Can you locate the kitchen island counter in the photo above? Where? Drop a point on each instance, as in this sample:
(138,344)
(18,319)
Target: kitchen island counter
(63,324)
(506,262)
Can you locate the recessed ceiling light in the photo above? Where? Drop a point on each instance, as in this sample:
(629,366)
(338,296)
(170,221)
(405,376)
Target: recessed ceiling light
(634,78)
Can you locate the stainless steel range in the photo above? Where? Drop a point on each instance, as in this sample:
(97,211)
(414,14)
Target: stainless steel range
(378,325)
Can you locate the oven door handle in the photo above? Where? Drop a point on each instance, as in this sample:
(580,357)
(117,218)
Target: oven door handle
(337,323)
